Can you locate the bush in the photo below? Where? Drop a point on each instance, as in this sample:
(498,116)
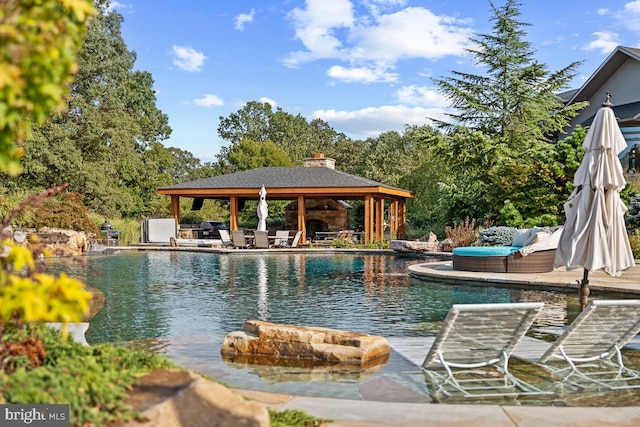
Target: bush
(92,380)
(65,210)
(496,236)
(342,243)
(462,234)
(634,241)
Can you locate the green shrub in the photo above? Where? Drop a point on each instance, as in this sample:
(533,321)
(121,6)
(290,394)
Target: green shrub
(92,380)
(634,241)
(293,418)
(377,244)
(342,243)
(496,236)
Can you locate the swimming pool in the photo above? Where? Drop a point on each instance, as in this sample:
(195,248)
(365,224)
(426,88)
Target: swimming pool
(182,304)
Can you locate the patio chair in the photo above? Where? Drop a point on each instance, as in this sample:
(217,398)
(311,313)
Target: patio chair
(296,239)
(475,336)
(239,240)
(226,239)
(590,346)
(282,239)
(261,240)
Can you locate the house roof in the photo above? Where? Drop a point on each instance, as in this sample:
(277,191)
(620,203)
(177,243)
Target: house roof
(604,72)
(624,112)
(285,182)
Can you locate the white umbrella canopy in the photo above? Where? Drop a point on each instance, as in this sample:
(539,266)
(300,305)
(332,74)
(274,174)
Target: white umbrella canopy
(263,210)
(594,236)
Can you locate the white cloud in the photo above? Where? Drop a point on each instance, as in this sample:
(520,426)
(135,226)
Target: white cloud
(604,41)
(208,100)
(371,121)
(316,26)
(629,16)
(244,18)
(188,59)
(270,101)
(602,12)
(361,75)
(421,95)
(374,41)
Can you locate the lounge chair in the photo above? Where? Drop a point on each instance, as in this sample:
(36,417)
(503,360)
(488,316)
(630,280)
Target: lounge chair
(531,251)
(282,239)
(590,346)
(261,240)
(226,239)
(477,336)
(239,240)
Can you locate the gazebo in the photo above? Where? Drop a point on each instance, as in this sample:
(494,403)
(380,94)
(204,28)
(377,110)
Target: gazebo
(317,179)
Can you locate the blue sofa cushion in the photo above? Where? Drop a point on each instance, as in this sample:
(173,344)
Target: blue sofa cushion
(485,250)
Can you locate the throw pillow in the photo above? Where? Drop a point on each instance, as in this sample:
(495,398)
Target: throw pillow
(521,236)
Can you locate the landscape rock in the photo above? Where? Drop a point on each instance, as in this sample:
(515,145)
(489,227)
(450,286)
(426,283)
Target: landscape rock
(415,246)
(274,340)
(168,398)
(63,242)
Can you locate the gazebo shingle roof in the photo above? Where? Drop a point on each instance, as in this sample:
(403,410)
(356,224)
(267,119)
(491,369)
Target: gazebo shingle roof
(283,177)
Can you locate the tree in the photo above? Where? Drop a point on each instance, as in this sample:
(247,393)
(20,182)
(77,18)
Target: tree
(511,113)
(258,122)
(107,144)
(249,154)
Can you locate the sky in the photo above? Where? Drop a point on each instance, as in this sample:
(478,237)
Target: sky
(362,66)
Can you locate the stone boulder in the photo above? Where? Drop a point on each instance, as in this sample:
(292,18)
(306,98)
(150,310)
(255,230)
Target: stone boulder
(415,246)
(167,398)
(63,242)
(274,340)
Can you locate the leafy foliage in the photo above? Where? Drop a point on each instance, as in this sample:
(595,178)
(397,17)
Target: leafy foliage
(463,233)
(67,211)
(634,241)
(92,380)
(39,43)
(510,115)
(106,146)
(294,418)
(496,236)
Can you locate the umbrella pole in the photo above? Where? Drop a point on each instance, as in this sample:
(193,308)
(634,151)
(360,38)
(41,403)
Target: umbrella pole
(584,290)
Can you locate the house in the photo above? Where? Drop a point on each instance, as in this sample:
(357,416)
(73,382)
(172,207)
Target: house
(619,75)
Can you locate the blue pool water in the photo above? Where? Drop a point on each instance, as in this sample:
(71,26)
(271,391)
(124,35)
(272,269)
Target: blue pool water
(177,294)
(182,304)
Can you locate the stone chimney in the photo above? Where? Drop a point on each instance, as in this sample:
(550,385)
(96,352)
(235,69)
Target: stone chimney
(319,161)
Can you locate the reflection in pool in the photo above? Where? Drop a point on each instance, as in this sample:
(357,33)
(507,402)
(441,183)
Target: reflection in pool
(182,304)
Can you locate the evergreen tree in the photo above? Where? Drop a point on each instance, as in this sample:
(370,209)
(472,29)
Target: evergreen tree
(511,114)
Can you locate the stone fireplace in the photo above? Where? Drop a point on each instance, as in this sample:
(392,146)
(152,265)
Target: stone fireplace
(322,215)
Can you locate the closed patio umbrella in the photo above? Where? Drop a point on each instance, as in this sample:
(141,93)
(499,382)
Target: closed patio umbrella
(262,210)
(594,236)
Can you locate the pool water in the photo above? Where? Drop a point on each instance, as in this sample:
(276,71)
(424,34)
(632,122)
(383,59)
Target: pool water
(177,294)
(182,304)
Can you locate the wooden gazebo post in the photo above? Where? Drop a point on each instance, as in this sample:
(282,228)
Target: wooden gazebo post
(302,219)
(233,213)
(175,208)
(368,218)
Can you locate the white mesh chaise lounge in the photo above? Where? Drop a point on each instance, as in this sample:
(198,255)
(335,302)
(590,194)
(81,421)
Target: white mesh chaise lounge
(470,354)
(589,349)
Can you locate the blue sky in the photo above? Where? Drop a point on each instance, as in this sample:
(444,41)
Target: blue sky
(363,66)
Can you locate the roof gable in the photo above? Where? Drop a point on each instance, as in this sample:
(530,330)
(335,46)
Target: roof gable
(602,74)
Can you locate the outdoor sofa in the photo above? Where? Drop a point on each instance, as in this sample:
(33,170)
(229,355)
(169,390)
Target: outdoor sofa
(531,251)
